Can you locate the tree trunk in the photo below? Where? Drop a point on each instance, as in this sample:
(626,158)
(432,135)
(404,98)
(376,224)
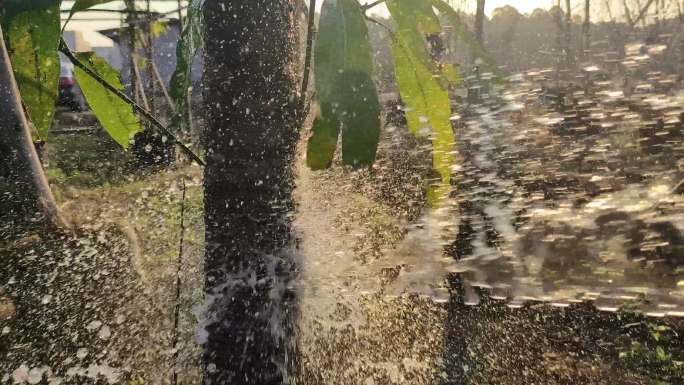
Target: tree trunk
(479,21)
(25,196)
(251,61)
(568,34)
(586,29)
(560,31)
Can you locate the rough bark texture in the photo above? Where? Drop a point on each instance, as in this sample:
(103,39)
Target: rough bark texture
(250,90)
(25,195)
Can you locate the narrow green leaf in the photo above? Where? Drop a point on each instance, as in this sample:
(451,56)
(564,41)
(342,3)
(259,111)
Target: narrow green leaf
(321,148)
(115,115)
(423,86)
(344,87)
(34,38)
(360,110)
(82,5)
(428,108)
(415,21)
(191,40)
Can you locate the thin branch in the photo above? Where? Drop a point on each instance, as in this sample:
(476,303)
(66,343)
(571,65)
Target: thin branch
(162,85)
(146,114)
(368,6)
(642,13)
(628,13)
(388,29)
(138,82)
(310,32)
(103,10)
(679,188)
(179,267)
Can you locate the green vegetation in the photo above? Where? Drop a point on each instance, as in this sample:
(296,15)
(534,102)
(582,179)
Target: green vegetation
(657,356)
(33,39)
(115,115)
(191,40)
(428,107)
(345,90)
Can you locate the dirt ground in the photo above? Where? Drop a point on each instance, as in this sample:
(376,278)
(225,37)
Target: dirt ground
(97,305)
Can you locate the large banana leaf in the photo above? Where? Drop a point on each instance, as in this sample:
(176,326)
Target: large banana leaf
(33,37)
(345,90)
(191,40)
(114,114)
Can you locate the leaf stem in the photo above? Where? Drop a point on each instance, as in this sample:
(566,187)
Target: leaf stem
(146,114)
(310,32)
(368,6)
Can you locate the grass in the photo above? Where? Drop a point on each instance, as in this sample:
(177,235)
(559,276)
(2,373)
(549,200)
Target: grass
(99,187)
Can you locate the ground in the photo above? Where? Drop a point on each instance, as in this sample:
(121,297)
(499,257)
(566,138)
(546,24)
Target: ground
(356,330)
(97,304)
(107,287)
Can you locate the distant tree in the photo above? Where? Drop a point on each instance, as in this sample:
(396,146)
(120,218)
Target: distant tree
(506,18)
(586,29)
(479,21)
(567,35)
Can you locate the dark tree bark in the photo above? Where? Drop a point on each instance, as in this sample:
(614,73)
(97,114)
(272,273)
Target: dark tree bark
(25,196)
(250,79)
(479,21)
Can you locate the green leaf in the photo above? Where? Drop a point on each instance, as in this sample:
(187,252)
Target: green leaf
(11,8)
(428,110)
(158,28)
(423,85)
(321,148)
(82,5)
(344,88)
(191,40)
(33,39)
(360,117)
(415,21)
(115,115)
(662,355)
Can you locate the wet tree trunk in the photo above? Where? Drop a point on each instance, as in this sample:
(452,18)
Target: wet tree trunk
(25,196)
(479,21)
(251,79)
